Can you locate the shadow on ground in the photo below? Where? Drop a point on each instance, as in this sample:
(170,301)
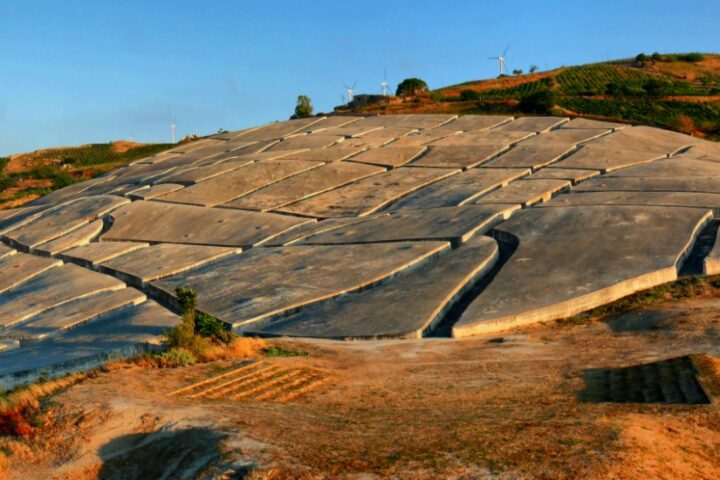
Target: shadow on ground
(667,381)
(165,454)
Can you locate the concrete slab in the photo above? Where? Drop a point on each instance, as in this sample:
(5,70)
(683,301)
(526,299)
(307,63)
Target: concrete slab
(76,238)
(531,156)
(533,124)
(569,260)
(123,333)
(50,289)
(265,283)
(236,183)
(6,251)
(157,222)
(467,123)
(679,166)
(329,123)
(390,156)
(459,189)
(72,314)
(575,175)
(568,136)
(304,185)
(20,267)
(651,184)
(658,199)
(148,193)
(97,252)
(333,154)
(711,263)
(193,175)
(57,221)
(498,137)
(377,138)
(525,192)
(588,123)
(419,122)
(368,195)
(278,130)
(458,156)
(291,237)
(405,307)
(145,265)
(625,148)
(703,150)
(452,224)
(355,129)
(312,140)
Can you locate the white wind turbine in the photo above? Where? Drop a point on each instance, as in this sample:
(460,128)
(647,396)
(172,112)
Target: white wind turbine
(501,60)
(350,92)
(384,84)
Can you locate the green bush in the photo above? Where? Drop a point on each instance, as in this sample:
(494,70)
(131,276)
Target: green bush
(468,95)
(176,356)
(539,102)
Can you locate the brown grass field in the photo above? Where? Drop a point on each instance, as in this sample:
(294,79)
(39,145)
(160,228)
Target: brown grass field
(504,406)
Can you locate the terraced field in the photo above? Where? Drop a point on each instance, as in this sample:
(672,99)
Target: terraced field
(350,227)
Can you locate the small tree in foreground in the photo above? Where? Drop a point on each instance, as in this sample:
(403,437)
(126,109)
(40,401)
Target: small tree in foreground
(303,107)
(411,87)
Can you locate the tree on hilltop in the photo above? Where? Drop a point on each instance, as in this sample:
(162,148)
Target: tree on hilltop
(303,107)
(411,87)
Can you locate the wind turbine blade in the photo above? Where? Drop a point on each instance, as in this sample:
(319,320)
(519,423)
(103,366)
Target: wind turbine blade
(506,50)
(353,87)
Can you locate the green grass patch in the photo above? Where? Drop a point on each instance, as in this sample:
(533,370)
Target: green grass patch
(282,351)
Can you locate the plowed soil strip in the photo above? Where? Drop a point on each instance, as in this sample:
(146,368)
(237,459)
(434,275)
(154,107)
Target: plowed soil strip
(231,383)
(307,388)
(286,387)
(257,376)
(195,386)
(266,384)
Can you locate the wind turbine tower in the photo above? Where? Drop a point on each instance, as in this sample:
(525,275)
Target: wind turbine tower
(349,91)
(172,131)
(501,60)
(384,84)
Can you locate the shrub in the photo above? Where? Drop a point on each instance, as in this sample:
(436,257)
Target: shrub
(540,102)
(468,95)
(655,88)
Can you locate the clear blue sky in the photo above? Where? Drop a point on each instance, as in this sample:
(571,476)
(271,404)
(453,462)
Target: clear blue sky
(92,71)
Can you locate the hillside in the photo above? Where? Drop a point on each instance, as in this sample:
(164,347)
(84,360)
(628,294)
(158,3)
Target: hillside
(25,177)
(680,92)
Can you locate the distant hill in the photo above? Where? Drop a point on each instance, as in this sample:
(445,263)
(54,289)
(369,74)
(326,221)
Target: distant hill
(25,177)
(675,91)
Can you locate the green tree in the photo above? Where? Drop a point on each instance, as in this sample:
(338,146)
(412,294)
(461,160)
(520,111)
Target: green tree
(411,87)
(517,71)
(303,107)
(533,68)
